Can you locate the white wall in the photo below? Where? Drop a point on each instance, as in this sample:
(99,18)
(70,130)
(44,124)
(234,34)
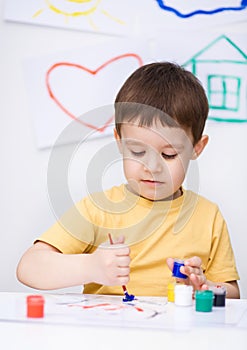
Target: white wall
(223,172)
(24,202)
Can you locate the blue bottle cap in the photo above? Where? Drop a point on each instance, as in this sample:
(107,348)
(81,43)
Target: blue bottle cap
(176,269)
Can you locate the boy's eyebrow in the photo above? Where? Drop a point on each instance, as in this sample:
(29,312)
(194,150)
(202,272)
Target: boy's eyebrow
(133,142)
(176,146)
(139,143)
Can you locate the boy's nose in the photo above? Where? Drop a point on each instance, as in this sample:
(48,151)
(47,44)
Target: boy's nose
(153,163)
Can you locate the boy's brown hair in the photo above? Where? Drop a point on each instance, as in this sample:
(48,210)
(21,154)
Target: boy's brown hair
(166,92)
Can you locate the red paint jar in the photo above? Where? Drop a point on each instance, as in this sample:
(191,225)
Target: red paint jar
(35,306)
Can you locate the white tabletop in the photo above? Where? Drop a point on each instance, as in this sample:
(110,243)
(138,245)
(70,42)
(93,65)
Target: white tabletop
(80,321)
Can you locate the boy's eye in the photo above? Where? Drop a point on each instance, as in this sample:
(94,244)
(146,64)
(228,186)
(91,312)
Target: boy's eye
(169,156)
(138,154)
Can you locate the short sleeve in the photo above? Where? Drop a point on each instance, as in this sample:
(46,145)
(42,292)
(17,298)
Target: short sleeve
(73,233)
(221,266)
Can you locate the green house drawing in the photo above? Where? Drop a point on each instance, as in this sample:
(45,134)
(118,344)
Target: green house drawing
(221,66)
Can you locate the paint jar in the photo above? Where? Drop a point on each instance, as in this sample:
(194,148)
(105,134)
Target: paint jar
(219,295)
(35,306)
(204,300)
(183,295)
(176,269)
(175,279)
(171,289)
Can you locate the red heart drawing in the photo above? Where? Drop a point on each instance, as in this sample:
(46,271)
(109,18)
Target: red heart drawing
(90,71)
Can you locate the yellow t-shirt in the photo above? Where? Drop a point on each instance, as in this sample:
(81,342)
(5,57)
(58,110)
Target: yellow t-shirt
(187,226)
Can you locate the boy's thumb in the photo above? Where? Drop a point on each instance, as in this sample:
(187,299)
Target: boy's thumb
(120,240)
(170,263)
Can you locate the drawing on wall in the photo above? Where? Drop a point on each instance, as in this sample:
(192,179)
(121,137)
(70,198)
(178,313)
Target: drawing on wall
(219,60)
(187,15)
(79,85)
(76,8)
(193,8)
(104,16)
(221,66)
(125,18)
(96,71)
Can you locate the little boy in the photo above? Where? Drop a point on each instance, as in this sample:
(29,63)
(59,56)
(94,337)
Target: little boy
(160,114)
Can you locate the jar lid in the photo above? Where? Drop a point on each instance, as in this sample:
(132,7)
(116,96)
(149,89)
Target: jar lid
(176,269)
(35,299)
(204,294)
(182,288)
(219,290)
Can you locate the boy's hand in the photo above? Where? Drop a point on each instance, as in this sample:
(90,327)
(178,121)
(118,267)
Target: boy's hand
(192,268)
(109,264)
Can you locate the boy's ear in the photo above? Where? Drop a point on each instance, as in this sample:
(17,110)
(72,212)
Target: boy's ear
(118,139)
(199,147)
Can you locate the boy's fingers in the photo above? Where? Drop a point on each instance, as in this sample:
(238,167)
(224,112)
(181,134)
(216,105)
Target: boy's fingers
(123,261)
(188,270)
(199,281)
(123,280)
(120,248)
(120,240)
(192,268)
(123,251)
(170,263)
(123,271)
(195,261)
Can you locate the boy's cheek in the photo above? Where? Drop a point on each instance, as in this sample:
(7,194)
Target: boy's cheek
(129,165)
(129,161)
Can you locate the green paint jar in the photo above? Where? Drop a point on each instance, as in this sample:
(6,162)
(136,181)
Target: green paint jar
(204,300)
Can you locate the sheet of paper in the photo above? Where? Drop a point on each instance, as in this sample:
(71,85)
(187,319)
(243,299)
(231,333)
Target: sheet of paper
(79,85)
(102,310)
(97,16)
(127,17)
(219,60)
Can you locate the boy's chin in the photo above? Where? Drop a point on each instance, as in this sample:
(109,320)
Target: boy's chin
(161,197)
(155,198)
(152,195)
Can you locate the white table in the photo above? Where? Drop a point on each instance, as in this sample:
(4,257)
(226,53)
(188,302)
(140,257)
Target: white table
(67,325)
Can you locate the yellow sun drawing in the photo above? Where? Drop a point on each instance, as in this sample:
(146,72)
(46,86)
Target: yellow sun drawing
(77,8)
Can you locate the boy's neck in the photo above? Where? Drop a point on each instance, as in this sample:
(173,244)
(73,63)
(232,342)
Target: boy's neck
(175,195)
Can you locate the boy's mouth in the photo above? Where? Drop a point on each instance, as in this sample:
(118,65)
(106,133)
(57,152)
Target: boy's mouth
(152,182)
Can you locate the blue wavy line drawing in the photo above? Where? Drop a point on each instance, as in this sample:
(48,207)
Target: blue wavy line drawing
(242,6)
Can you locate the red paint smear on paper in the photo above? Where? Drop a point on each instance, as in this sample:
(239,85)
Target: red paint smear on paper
(90,71)
(96,305)
(106,307)
(139,309)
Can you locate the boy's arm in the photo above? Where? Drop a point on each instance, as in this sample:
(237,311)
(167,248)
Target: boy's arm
(44,267)
(232,289)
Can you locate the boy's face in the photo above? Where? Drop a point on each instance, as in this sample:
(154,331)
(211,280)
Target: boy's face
(155,159)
